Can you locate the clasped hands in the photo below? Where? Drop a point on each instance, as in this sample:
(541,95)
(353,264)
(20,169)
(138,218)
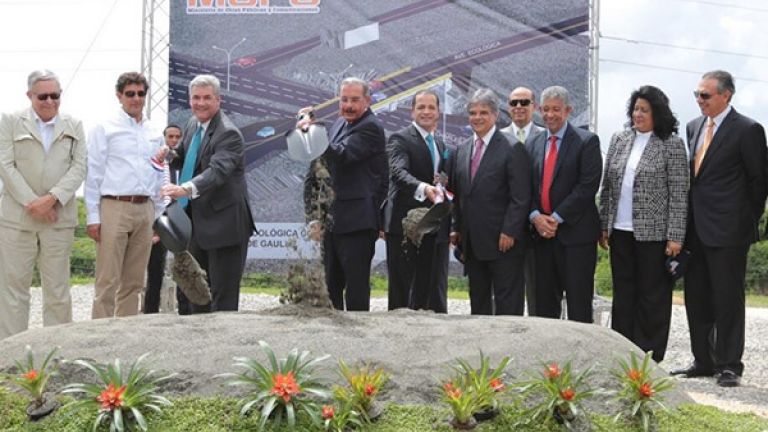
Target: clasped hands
(546,225)
(43,209)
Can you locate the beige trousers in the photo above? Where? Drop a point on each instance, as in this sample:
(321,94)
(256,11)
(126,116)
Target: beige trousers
(122,255)
(19,250)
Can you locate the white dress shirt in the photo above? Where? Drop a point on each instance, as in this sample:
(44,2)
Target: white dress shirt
(119,154)
(624,211)
(46,130)
(718,119)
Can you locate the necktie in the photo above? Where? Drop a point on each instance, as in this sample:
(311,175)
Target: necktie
(431,146)
(476,158)
(190,159)
(704,146)
(521,135)
(549,172)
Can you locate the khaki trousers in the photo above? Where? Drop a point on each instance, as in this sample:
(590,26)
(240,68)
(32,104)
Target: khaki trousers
(19,250)
(122,255)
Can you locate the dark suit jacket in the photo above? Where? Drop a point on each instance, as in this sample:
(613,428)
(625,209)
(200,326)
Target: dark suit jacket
(574,186)
(220,214)
(357,161)
(410,164)
(727,198)
(496,201)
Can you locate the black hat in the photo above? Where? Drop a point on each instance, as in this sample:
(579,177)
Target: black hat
(174,228)
(676,266)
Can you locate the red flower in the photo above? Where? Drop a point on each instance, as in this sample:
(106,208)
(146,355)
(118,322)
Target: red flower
(645,390)
(31,375)
(370,389)
(496,384)
(448,387)
(552,371)
(327,413)
(285,386)
(111,398)
(634,375)
(567,394)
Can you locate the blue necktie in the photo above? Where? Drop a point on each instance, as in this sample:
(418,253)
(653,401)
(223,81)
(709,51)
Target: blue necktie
(189,162)
(431,146)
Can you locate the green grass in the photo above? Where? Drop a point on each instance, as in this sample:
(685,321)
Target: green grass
(219,414)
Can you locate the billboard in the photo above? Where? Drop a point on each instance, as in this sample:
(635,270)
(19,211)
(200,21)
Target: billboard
(274,57)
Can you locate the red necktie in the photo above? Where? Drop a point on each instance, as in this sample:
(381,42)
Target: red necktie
(549,172)
(476,158)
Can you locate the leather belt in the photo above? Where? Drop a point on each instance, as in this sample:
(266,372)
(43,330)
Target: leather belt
(135,199)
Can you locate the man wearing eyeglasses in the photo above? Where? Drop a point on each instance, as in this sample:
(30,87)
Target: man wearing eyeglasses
(42,164)
(521,106)
(727,196)
(122,198)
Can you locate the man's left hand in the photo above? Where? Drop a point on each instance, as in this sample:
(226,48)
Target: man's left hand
(506,242)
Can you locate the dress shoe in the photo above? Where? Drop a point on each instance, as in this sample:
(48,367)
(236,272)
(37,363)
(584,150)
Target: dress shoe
(693,371)
(728,379)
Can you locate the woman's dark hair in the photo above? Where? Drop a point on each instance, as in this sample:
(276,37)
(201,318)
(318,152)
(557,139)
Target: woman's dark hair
(664,122)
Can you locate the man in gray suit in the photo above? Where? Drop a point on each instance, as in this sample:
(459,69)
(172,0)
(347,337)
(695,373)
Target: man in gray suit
(212,188)
(491,180)
(521,105)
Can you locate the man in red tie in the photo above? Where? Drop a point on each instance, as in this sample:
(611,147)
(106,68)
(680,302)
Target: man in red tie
(491,181)
(566,175)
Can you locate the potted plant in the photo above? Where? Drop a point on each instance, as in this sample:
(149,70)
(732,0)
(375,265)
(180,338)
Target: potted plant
(122,399)
(558,392)
(363,386)
(34,380)
(486,383)
(282,389)
(639,392)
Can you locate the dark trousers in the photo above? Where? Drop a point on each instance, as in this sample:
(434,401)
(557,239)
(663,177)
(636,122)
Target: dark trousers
(155,273)
(642,292)
(348,268)
(565,269)
(714,304)
(530,279)
(224,267)
(496,287)
(418,278)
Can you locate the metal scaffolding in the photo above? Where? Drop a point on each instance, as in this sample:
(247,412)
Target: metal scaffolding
(594,61)
(155,47)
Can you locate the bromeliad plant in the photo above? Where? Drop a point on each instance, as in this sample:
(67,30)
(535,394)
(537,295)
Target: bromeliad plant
(281,389)
(363,385)
(340,418)
(122,399)
(34,379)
(460,396)
(639,391)
(560,391)
(486,383)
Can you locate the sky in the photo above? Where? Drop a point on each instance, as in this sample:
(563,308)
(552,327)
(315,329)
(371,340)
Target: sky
(666,43)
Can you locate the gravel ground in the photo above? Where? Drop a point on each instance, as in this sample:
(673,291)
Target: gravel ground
(751,396)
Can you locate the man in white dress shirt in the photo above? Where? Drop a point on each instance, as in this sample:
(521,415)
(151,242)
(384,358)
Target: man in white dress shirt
(42,163)
(122,199)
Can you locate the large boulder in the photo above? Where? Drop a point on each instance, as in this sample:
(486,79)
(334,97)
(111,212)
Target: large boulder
(417,348)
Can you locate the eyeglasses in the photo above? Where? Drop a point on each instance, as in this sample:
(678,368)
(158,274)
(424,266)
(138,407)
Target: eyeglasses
(131,93)
(44,96)
(700,94)
(522,102)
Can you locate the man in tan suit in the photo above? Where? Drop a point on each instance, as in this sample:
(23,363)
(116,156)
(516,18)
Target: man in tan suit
(42,164)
